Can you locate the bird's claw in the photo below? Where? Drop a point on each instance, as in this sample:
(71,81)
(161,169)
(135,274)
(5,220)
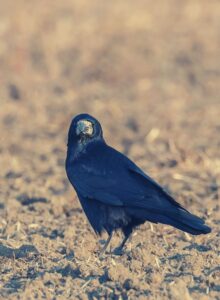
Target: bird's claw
(118,251)
(101,253)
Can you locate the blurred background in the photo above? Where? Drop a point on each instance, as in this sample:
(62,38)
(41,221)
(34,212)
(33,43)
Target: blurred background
(149,71)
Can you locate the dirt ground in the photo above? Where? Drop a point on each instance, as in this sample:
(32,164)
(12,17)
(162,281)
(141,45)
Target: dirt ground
(150,72)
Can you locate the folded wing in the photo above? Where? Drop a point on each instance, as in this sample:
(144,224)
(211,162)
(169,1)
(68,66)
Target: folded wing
(113,179)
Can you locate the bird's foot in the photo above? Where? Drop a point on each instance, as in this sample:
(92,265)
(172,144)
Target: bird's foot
(101,253)
(118,251)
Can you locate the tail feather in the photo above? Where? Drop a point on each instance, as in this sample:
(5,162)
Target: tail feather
(190,223)
(180,218)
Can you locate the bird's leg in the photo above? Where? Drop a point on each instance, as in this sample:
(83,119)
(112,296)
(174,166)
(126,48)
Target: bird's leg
(119,249)
(121,246)
(106,244)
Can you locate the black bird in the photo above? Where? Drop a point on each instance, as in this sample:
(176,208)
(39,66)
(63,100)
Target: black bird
(114,192)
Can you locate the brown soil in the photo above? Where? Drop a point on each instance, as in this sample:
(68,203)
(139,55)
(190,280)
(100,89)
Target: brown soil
(150,72)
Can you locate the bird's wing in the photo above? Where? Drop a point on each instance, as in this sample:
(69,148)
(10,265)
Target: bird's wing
(113,179)
(96,184)
(148,181)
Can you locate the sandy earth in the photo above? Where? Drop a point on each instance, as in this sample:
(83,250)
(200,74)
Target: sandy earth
(150,72)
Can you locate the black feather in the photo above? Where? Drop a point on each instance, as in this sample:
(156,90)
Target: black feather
(114,192)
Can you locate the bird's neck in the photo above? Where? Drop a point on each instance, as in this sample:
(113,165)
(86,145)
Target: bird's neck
(76,149)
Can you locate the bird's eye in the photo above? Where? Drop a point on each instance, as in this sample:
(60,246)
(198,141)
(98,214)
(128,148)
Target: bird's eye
(84,127)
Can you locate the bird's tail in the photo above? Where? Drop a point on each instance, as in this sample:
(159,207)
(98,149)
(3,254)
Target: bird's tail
(188,222)
(176,217)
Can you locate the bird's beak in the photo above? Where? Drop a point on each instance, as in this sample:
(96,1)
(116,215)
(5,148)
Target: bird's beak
(84,127)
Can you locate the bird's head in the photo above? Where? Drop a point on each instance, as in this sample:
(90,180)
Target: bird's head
(84,129)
